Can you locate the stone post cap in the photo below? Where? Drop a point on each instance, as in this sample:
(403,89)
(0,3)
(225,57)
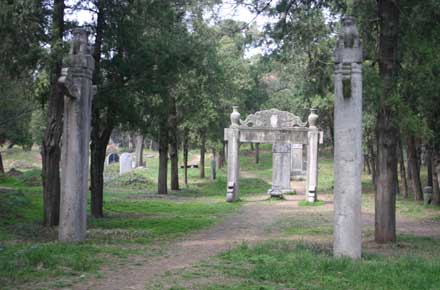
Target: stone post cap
(348,47)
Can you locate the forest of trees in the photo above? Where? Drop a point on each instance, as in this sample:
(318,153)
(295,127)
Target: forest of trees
(171,70)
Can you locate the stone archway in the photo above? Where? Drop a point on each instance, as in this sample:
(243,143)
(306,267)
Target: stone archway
(282,129)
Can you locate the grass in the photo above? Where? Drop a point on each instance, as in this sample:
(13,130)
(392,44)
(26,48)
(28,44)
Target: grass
(308,203)
(306,266)
(136,217)
(281,265)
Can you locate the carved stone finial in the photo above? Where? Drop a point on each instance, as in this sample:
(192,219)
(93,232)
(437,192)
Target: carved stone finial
(313,118)
(349,35)
(80,42)
(235,117)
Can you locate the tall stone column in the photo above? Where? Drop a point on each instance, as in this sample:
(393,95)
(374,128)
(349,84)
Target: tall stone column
(312,158)
(348,142)
(280,169)
(233,137)
(76,77)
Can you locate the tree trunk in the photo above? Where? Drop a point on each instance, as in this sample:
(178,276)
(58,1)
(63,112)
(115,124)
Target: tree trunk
(185,155)
(257,153)
(2,168)
(387,133)
(202,154)
(139,150)
(428,162)
(373,163)
(101,126)
(163,159)
(174,156)
(51,150)
(436,178)
(98,149)
(413,168)
(402,170)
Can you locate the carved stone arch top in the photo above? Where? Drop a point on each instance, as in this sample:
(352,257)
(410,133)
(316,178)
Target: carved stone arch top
(272,118)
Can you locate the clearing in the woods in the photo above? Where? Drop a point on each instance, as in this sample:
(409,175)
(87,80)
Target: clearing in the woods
(192,239)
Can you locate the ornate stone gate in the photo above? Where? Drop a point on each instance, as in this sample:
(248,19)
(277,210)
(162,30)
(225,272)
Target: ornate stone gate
(274,127)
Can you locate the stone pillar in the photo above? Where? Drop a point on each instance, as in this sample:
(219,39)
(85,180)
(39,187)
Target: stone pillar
(233,137)
(280,169)
(348,142)
(76,77)
(297,162)
(312,158)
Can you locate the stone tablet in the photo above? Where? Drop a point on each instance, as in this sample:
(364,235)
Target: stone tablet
(280,170)
(297,161)
(125,163)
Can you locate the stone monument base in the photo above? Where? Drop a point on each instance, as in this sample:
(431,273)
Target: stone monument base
(277,192)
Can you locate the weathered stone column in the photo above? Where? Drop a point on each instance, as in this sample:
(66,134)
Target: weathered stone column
(312,158)
(232,134)
(348,142)
(280,169)
(76,77)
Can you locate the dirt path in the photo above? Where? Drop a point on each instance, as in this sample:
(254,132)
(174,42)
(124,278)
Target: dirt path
(252,223)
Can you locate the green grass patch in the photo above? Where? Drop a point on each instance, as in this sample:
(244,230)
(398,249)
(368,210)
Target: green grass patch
(316,230)
(288,265)
(308,203)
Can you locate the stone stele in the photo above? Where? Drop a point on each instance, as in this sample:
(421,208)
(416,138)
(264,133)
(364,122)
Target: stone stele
(76,78)
(348,142)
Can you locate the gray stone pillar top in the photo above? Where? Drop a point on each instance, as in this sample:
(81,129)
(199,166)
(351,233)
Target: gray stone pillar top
(78,63)
(348,47)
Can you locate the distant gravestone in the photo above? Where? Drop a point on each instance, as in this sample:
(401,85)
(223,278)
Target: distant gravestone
(112,158)
(125,163)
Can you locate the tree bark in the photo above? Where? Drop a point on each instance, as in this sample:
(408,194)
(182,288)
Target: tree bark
(202,154)
(436,178)
(174,147)
(413,168)
(102,126)
(98,149)
(185,155)
(373,164)
(51,150)
(163,159)
(174,156)
(428,162)
(385,202)
(139,150)
(257,153)
(402,170)
(2,168)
